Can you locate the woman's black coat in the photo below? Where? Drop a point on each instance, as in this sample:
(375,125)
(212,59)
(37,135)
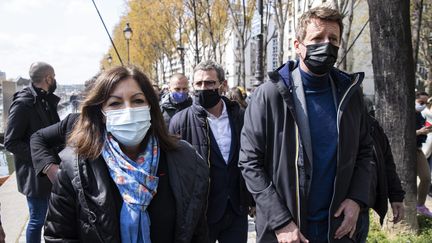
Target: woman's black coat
(85,203)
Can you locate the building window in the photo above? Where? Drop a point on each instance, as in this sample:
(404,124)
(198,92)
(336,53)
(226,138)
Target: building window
(290,26)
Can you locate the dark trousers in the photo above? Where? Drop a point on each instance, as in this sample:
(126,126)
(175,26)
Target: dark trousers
(317,231)
(230,228)
(363,228)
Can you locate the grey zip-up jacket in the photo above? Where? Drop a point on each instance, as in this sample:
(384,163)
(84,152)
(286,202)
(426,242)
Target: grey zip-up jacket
(274,157)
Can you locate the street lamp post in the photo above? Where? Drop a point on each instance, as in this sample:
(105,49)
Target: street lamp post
(259,73)
(109,59)
(127,32)
(181,50)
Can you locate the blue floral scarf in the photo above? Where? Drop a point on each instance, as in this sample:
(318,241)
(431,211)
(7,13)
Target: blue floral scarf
(137,183)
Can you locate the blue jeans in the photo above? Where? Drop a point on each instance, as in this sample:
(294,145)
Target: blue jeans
(37,209)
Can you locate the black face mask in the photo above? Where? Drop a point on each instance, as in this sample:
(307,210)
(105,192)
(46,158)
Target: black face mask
(207,98)
(321,57)
(52,87)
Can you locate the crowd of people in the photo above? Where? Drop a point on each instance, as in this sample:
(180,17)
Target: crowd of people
(303,154)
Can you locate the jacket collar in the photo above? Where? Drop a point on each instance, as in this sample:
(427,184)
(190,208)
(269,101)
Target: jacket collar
(281,77)
(51,98)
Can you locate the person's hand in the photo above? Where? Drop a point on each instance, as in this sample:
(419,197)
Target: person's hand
(52,172)
(398,211)
(252,211)
(424,130)
(290,234)
(351,211)
(2,235)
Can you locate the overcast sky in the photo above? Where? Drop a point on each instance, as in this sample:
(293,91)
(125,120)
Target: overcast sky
(68,34)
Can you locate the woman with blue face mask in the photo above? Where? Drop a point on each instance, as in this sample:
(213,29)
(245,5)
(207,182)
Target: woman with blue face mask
(123,178)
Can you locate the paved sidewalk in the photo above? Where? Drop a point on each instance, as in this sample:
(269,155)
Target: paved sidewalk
(14,212)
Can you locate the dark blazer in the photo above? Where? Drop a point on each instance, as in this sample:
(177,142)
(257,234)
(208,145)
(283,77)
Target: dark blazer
(274,162)
(42,142)
(85,203)
(226,181)
(28,114)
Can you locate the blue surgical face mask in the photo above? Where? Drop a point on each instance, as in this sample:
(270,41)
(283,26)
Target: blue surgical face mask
(420,107)
(128,126)
(179,97)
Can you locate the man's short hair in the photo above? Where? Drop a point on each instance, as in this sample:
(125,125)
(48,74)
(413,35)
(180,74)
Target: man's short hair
(322,12)
(39,70)
(211,65)
(421,93)
(177,76)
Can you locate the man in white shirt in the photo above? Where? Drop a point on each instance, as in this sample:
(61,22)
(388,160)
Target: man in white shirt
(212,125)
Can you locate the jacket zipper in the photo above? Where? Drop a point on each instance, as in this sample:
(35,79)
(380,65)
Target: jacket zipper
(338,119)
(297,176)
(297,170)
(208,159)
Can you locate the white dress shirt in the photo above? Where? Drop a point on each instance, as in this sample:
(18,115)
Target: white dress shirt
(220,127)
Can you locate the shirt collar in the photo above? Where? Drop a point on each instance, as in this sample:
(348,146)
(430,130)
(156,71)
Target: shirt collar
(223,114)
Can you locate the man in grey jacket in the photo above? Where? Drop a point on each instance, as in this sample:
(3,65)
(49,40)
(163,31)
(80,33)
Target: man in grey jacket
(305,149)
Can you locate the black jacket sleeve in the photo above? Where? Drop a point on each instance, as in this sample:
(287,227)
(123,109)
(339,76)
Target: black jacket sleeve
(201,230)
(395,191)
(16,131)
(252,165)
(360,180)
(61,224)
(45,142)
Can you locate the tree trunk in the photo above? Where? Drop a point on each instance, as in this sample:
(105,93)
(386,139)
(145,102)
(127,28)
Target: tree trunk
(429,80)
(242,65)
(156,77)
(415,28)
(394,84)
(348,19)
(280,46)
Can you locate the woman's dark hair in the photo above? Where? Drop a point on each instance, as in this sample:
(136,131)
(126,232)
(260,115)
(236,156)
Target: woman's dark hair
(88,134)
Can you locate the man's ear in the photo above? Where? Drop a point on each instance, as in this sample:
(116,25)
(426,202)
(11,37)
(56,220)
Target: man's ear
(223,88)
(225,83)
(297,47)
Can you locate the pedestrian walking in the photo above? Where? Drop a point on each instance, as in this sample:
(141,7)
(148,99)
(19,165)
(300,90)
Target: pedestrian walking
(121,179)
(212,125)
(306,150)
(423,170)
(177,97)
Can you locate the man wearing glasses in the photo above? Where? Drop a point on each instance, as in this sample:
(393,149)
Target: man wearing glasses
(212,125)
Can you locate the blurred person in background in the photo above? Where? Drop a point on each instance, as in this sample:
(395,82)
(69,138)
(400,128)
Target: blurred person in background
(177,98)
(427,145)
(32,108)
(423,169)
(235,94)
